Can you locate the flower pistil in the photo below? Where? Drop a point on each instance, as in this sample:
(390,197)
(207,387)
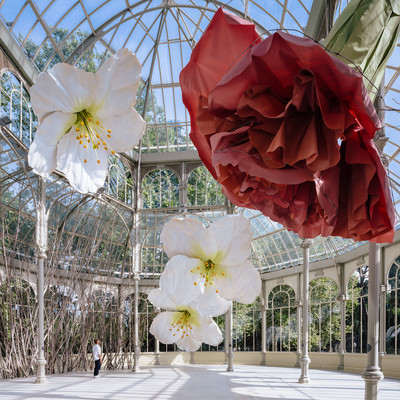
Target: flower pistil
(91,131)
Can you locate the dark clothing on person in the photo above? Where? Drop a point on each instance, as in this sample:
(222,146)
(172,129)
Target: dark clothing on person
(97,366)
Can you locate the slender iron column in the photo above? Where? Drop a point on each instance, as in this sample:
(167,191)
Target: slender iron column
(305,360)
(264,301)
(41,248)
(382,313)
(157,349)
(228,327)
(372,373)
(298,305)
(342,300)
(136,325)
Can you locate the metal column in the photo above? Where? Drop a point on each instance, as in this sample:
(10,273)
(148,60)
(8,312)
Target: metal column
(342,300)
(372,373)
(305,360)
(228,335)
(41,244)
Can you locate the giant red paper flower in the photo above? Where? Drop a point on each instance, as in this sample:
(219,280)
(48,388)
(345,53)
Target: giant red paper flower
(287,129)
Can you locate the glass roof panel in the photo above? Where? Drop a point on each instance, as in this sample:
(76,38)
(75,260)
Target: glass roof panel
(162,33)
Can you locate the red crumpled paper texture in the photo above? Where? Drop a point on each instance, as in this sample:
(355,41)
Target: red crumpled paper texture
(287,129)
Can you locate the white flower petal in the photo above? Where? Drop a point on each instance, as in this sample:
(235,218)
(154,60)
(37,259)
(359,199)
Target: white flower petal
(160,327)
(126,130)
(208,332)
(177,280)
(188,343)
(119,77)
(159,299)
(210,303)
(84,177)
(42,156)
(63,88)
(228,240)
(240,283)
(182,236)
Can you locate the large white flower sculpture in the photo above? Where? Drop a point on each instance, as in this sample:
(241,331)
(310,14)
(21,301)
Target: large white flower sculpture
(84,117)
(216,257)
(188,321)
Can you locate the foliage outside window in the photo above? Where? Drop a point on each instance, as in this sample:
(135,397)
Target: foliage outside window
(203,189)
(160,188)
(324,328)
(392,338)
(357,311)
(281,331)
(247,326)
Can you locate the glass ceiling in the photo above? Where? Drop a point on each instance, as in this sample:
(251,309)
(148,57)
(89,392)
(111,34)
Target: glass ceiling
(163,33)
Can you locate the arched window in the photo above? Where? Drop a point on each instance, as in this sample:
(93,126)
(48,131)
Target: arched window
(146,315)
(324,329)
(203,189)
(393,309)
(17,316)
(15,103)
(356,311)
(119,181)
(281,319)
(160,188)
(247,326)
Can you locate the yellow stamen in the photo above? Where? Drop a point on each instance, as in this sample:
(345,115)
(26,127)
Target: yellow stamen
(97,122)
(86,135)
(77,129)
(98,161)
(85,146)
(85,160)
(109,131)
(88,140)
(195,283)
(80,142)
(82,123)
(112,152)
(77,138)
(108,135)
(105,148)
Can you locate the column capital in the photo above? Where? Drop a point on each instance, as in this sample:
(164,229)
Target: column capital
(305,243)
(342,297)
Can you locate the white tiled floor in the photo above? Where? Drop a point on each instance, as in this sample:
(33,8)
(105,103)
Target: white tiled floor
(191,382)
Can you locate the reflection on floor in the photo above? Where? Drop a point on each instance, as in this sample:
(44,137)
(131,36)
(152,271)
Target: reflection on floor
(190,382)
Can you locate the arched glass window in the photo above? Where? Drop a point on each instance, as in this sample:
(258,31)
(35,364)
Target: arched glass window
(160,188)
(281,319)
(393,309)
(324,329)
(15,103)
(18,311)
(203,189)
(247,326)
(147,313)
(119,181)
(357,311)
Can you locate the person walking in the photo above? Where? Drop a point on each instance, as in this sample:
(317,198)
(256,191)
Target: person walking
(97,357)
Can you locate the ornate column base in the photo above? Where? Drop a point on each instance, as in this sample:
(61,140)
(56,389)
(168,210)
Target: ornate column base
(135,367)
(341,361)
(372,377)
(41,373)
(192,358)
(304,362)
(263,358)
